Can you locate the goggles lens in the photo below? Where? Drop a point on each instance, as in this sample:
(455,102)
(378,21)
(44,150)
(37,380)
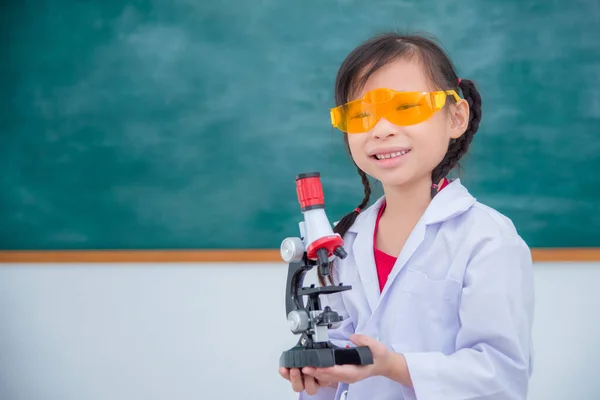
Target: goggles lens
(400,108)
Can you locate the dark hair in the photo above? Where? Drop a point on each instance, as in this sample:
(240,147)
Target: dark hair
(379,51)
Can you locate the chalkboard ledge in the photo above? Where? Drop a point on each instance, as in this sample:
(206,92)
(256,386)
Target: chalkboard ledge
(229,256)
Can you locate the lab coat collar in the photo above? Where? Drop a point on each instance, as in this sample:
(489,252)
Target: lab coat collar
(450,202)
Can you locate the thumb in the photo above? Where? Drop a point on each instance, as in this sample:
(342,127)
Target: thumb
(362,340)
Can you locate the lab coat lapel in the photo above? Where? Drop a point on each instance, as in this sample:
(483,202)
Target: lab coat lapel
(450,202)
(365,258)
(410,247)
(362,249)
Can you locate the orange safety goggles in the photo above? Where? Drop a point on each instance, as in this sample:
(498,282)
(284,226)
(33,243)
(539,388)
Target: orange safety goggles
(400,108)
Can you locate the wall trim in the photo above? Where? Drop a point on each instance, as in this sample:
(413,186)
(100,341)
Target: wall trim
(233,255)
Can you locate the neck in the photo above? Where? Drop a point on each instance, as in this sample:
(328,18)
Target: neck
(407,202)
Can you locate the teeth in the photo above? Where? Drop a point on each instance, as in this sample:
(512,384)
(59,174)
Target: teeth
(391,155)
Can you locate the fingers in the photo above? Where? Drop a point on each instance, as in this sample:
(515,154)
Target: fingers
(378,349)
(285,373)
(320,375)
(325,383)
(301,381)
(296,379)
(310,385)
(362,340)
(338,373)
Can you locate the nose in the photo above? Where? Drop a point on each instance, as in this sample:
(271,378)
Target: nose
(384,129)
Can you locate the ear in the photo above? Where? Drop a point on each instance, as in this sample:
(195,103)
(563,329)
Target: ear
(459,118)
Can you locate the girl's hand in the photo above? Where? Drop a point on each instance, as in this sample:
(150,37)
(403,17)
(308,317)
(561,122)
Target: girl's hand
(302,382)
(382,362)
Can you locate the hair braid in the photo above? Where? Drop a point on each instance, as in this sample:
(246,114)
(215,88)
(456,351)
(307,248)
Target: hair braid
(459,147)
(347,220)
(367,188)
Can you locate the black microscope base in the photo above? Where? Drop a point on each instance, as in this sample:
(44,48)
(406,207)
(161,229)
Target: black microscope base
(299,357)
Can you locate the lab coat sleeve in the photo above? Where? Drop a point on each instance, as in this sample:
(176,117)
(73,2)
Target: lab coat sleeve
(493,345)
(339,337)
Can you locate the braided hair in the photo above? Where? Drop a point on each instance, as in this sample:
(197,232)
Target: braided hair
(460,146)
(379,51)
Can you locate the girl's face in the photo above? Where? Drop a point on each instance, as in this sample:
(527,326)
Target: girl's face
(423,145)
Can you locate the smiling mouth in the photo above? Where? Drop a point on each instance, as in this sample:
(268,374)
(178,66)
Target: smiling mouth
(385,156)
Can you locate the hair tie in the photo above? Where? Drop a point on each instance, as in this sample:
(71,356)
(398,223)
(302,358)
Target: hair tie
(357,210)
(434,186)
(459,81)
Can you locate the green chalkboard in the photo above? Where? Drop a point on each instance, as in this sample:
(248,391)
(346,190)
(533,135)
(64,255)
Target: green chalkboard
(181,124)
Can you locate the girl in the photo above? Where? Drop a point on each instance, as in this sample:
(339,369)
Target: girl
(442,285)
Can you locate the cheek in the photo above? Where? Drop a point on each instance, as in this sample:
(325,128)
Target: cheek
(433,142)
(356,144)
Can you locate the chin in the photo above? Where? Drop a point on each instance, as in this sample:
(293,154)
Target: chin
(393,178)
(396,182)
(399,177)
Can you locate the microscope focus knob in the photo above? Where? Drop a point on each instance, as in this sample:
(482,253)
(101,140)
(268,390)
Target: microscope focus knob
(292,249)
(298,321)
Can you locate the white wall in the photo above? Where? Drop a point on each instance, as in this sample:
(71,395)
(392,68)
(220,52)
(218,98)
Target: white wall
(190,331)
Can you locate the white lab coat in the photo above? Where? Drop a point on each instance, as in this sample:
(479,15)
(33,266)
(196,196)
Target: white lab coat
(458,304)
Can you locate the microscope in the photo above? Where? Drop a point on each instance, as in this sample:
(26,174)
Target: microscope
(318,246)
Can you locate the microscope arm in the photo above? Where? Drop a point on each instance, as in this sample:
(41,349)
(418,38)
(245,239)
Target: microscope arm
(295,279)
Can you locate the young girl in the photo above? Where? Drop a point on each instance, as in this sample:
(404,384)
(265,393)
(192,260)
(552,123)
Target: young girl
(442,285)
